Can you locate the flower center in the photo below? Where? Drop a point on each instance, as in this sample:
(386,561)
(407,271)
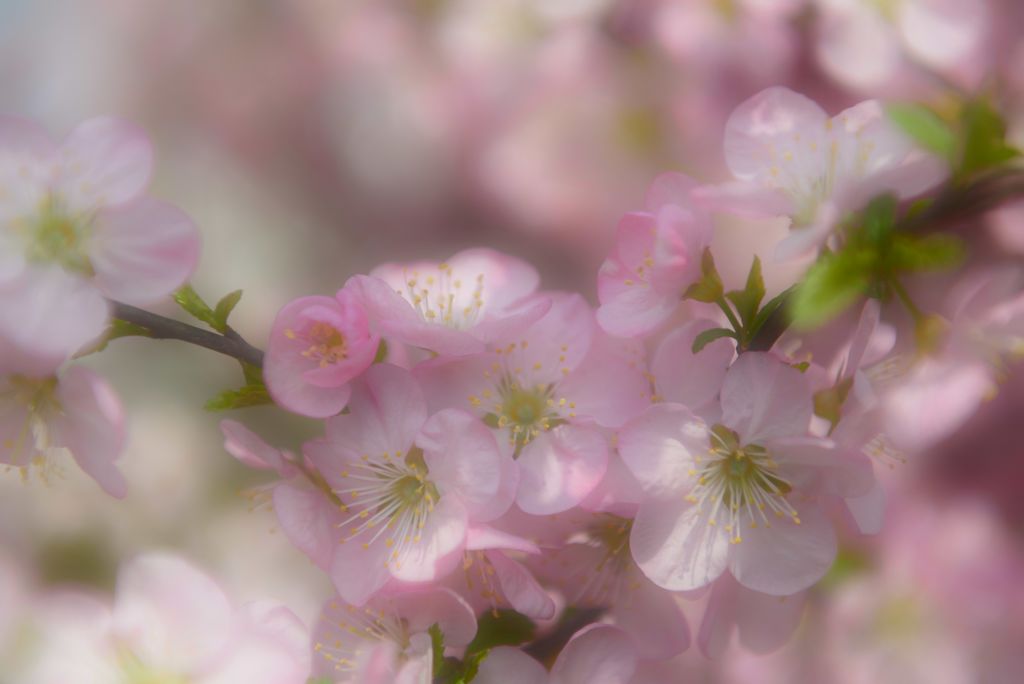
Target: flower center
(137,672)
(327,345)
(741,483)
(441,297)
(604,581)
(524,411)
(390,499)
(39,398)
(54,237)
(350,630)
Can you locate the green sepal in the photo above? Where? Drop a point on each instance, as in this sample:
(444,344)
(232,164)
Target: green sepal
(749,298)
(243,397)
(909,253)
(708,336)
(828,403)
(709,288)
(437,647)
(832,284)
(224,308)
(924,127)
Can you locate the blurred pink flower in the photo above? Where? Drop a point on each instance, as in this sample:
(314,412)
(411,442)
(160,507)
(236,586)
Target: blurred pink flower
(77,411)
(745,494)
(169,622)
(386,641)
(657,256)
(317,346)
(791,159)
(80,207)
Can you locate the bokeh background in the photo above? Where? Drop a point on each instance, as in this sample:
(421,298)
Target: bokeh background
(313,139)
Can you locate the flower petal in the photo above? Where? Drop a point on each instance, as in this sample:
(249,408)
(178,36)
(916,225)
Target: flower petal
(676,546)
(558,469)
(105,162)
(762,398)
(661,445)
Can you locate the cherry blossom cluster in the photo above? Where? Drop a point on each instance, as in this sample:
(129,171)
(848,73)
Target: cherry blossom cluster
(493,450)
(77,230)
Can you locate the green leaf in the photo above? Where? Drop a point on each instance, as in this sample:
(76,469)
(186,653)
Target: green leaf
(748,299)
(984,139)
(878,218)
(924,127)
(189,300)
(501,628)
(833,283)
(253,374)
(224,308)
(767,311)
(320,680)
(437,646)
(243,397)
(709,288)
(708,336)
(908,253)
(471,665)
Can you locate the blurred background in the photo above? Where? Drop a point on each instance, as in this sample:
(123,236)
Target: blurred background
(314,139)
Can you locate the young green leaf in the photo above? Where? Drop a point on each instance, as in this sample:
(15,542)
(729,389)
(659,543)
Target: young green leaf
(437,646)
(924,127)
(189,300)
(243,397)
(833,283)
(501,628)
(709,288)
(984,139)
(708,336)
(749,298)
(224,308)
(908,253)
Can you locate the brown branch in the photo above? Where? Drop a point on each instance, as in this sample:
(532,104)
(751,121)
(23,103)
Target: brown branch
(163,328)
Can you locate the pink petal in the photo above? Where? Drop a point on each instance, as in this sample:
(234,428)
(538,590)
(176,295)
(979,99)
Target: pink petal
(651,616)
(660,447)
(463,460)
(606,388)
(27,160)
(553,346)
(422,608)
(868,510)
(105,162)
(309,521)
(386,413)
(359,572)
(597,654)
(669,188)
(762,398)
(787,557)
(766,622)
(508,665)
(482,537)
(520,588)
(91,427)
(49,314)
(686,378)
(559,468)
(676,546)
(392,316)
(143,250)
(744,198)
(250,449)
(270,646)
(443,540)
(172,616)
(760,126)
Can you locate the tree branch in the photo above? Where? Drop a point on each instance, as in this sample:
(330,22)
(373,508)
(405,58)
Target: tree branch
(163,328)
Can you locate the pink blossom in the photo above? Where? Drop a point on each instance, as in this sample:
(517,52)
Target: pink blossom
(492,578)
(745,494)
(317,346)
(597,654)
(790,159)
(943,389)
(657,256)
(550,389)
(596,569)
(408,486)
(80,207)
(169,621)
(763,622)
(77,411)
(453,307)
(386,641)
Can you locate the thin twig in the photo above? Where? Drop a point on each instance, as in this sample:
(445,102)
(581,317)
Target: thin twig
(163,328)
